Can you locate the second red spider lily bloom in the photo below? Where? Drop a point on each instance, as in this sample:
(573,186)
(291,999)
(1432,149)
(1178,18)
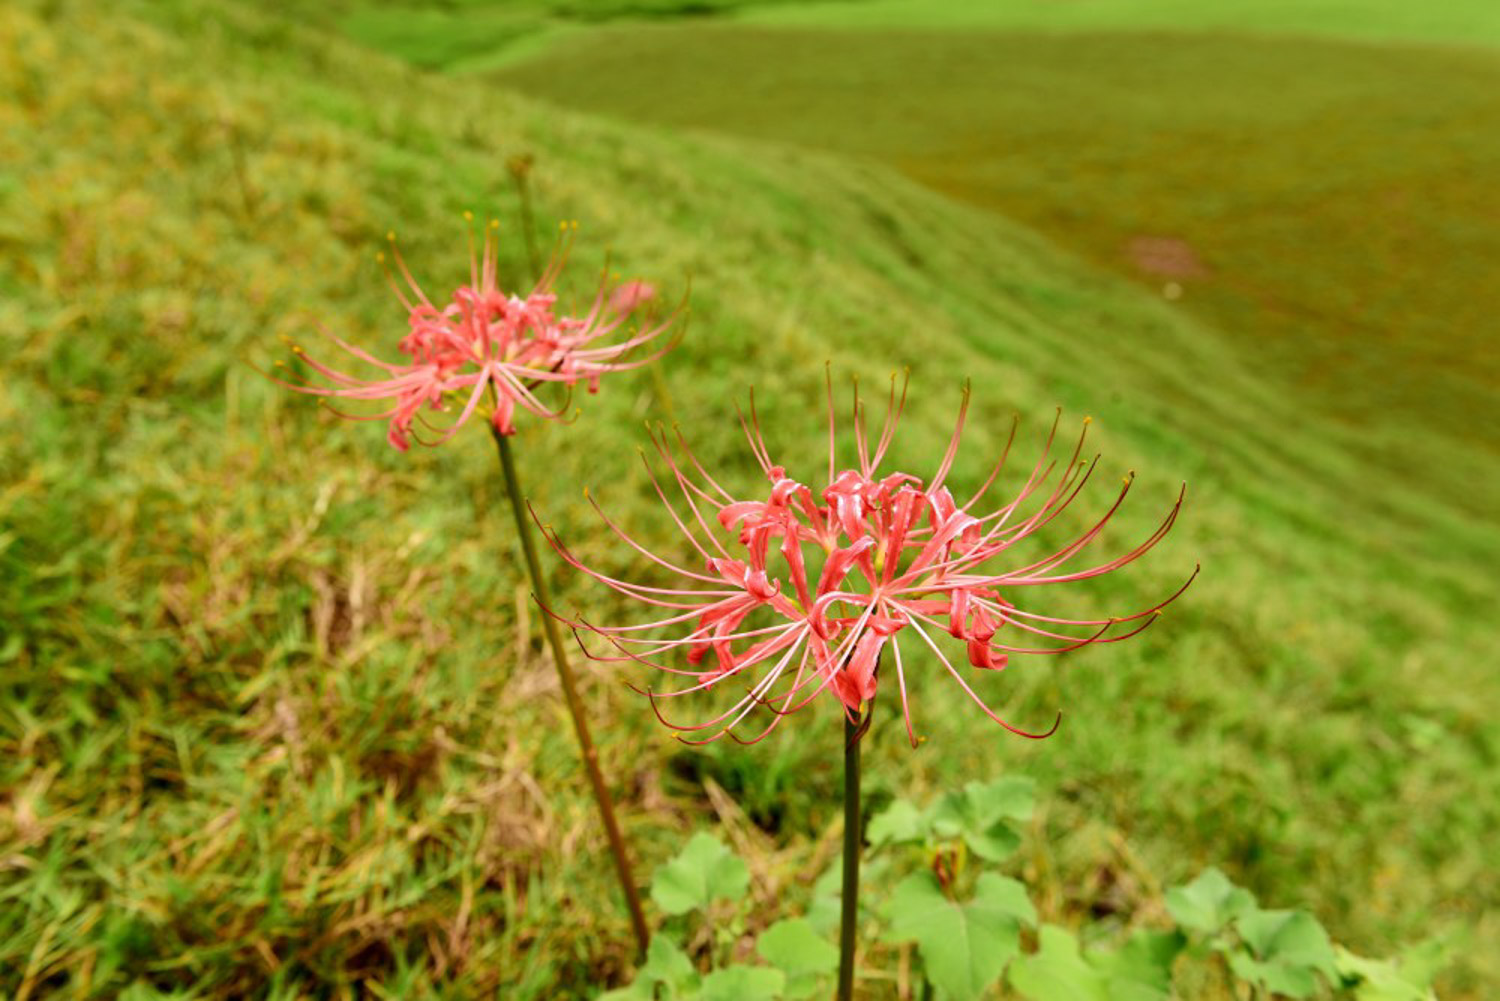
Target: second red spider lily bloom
(808,591)
(486,348)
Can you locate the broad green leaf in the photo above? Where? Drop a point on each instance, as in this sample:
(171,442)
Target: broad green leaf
(1377,979)
(1420,964)
(742,983)
(1057,971)
(794,948)
(665,965)
(899,823)
(1208,903)
(1012,797)
(1385,979)
(1291,937)
(984,815)
(1141,970)
(705,871)
(824,911)
(964,947)
(1279,978)
(1289,947)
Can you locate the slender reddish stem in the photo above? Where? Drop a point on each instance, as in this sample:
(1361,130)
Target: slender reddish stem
(570,691)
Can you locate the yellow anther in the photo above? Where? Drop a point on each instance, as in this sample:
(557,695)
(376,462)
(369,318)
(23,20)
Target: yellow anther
(468,216)
(380,256)
(390,235)
(1088,420)
(494,224)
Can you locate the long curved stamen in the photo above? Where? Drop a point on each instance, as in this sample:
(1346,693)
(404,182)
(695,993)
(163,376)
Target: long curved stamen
(898,553)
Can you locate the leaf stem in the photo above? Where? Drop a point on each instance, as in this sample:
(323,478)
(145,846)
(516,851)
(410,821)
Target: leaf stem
(570,691)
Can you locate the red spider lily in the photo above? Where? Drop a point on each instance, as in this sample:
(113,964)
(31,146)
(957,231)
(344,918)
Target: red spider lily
(484,341)
(806,590)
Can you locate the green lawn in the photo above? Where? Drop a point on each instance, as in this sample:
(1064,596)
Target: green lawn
(266,727)
(1337,233)
(1461,22)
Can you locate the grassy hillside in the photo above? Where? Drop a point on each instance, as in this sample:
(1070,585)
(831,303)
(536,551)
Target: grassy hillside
(266,724)
(1338,233)
(1462,22)
(473,34)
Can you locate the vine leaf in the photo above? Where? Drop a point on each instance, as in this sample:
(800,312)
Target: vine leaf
(898,824)
(1209,903)
(705,871)
(1057,970)
(742,983)
(798,951)
(985,814)
(1289,947)
(1409,979)
(666,967)
(964,947)
(1141,970)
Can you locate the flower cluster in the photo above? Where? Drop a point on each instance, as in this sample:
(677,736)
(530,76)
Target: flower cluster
(807,589)
(485,342)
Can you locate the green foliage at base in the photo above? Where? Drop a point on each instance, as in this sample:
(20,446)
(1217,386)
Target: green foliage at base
(968,926)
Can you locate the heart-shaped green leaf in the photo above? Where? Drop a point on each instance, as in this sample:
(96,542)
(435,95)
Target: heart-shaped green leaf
(705,871)
(964,947)
(1289,947)
(667,967)
(986,815)
(797,950)
(1057,970)
(742,983)
(1385,979)
(900,823)
(1208,903)
(1141,969)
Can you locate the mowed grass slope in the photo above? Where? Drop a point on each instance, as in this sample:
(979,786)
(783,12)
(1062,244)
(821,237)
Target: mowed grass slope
(1329,207)
(1462,22)
(266,724)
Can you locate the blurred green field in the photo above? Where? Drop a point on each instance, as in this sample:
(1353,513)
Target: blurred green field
(1467,22)
(1341,233)
(266,727)
(472,34)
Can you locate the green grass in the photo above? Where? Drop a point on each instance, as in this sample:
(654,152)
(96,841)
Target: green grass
(266,728)
(1336,232)
(1463,22)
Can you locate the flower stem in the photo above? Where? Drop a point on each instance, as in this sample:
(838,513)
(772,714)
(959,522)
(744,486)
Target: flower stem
(520,172)
(849,903)
(570,690)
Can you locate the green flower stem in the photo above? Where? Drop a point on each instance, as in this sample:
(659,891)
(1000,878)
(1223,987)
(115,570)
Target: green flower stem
(849,903)
(570,690)
(520,173)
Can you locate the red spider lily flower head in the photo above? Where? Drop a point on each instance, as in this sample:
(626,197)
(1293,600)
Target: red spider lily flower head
(486,342)
(808,589)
